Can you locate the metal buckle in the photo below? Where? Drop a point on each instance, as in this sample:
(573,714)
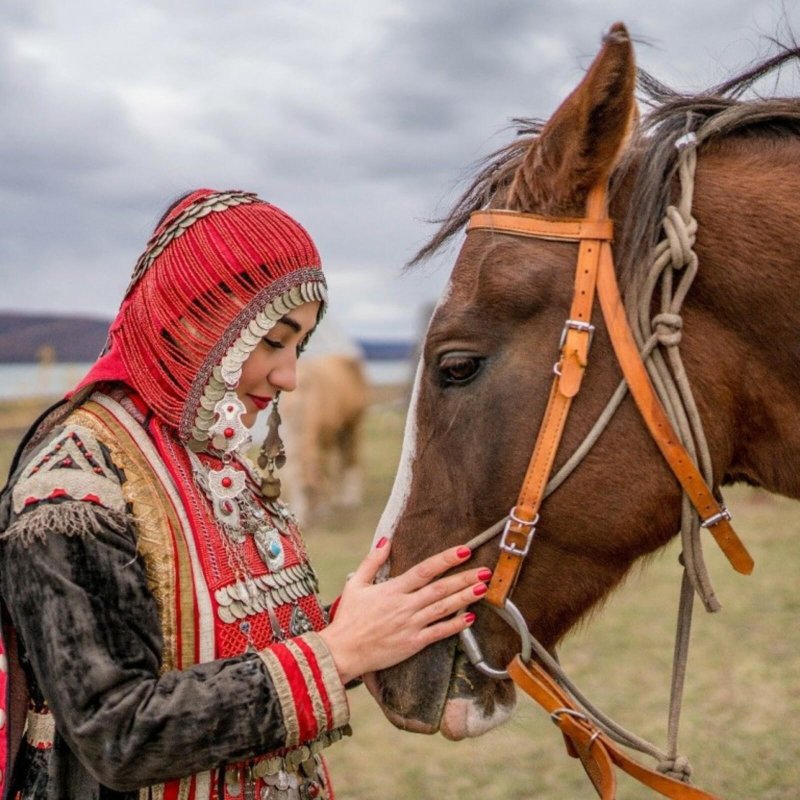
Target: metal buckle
(528,523)
(715,519)
(578,325)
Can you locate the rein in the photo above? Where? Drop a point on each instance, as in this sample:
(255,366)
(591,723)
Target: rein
(590,734)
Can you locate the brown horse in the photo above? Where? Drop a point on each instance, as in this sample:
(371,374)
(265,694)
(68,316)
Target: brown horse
(487,363)
(322,429)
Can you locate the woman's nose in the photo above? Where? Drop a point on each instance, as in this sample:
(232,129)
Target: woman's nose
(284,375)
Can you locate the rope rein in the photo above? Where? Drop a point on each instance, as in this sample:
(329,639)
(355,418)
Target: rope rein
(673,268)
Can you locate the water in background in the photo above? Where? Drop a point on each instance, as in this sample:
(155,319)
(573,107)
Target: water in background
(39,380)
(53,380)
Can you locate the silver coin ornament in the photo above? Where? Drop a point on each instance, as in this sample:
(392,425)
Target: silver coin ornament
(270,548)
(228,431)
(278,787)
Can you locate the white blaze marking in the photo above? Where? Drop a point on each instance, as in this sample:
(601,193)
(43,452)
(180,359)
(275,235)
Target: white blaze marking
(402,482)
(401,489)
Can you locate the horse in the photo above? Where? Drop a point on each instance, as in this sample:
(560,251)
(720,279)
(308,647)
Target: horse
(323,428)
(486,371)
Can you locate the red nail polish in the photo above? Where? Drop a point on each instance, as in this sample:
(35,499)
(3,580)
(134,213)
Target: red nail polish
(469,618)
(484,574)
(480,589)
(382,542)
(463,552)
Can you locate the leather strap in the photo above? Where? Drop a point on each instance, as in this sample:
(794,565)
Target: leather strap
(595,749)
(575,342)
(713,515)
(522,224)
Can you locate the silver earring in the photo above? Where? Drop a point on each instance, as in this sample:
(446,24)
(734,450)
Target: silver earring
(272,456)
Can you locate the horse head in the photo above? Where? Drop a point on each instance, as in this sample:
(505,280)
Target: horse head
(482,386)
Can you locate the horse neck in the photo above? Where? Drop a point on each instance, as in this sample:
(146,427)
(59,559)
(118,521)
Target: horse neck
(743,356)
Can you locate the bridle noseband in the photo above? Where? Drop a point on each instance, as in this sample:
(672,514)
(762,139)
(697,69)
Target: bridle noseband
(589,734)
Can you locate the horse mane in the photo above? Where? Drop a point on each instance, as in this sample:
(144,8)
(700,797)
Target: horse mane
(651,160)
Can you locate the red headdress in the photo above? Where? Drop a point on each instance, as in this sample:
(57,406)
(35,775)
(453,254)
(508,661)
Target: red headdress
(219,271)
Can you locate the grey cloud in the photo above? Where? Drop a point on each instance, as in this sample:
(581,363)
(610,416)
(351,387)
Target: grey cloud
(358,117)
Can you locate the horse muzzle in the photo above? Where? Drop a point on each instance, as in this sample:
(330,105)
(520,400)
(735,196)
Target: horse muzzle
(440,690)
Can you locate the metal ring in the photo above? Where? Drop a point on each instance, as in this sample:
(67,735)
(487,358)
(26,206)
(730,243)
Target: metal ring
(511,615)
(593,739)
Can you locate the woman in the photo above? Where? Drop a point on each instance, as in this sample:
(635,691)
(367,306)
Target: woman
(163,636)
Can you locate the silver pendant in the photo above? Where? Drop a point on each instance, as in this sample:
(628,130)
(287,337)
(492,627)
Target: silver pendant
(300,623)
(228,431)
(225,485)
(270,548)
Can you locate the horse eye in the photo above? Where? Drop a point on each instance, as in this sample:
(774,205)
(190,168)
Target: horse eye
(457,369)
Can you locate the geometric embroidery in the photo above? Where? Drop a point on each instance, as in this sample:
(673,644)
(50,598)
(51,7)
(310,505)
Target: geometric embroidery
(70,467)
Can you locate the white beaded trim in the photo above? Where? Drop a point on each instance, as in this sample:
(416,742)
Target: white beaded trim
(228,372)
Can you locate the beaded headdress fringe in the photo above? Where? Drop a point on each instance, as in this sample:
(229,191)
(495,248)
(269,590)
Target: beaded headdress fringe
(216,262)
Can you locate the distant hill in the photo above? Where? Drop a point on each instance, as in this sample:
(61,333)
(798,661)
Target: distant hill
(28,338)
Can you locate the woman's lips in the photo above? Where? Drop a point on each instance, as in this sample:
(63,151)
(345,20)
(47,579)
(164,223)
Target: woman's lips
(260,402)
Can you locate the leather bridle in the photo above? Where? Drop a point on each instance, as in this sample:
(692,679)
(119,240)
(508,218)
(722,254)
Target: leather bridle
(594,273)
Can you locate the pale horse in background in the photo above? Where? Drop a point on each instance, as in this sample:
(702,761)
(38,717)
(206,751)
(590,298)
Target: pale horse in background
(321,428)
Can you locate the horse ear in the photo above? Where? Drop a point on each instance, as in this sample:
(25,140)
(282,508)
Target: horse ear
(582,141)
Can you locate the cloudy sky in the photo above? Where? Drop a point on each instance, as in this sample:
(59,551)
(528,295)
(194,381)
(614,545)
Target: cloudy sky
(359,117)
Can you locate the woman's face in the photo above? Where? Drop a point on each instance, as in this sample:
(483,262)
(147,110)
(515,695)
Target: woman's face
(272,366)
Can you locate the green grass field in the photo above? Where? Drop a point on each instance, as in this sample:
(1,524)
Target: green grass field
(741,720)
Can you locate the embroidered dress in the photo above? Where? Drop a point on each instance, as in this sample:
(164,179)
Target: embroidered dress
(159,612)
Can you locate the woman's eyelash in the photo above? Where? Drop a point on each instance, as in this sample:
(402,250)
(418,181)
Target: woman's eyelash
(272,343)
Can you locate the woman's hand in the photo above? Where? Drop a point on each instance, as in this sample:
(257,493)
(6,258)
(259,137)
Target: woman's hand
(378,625)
